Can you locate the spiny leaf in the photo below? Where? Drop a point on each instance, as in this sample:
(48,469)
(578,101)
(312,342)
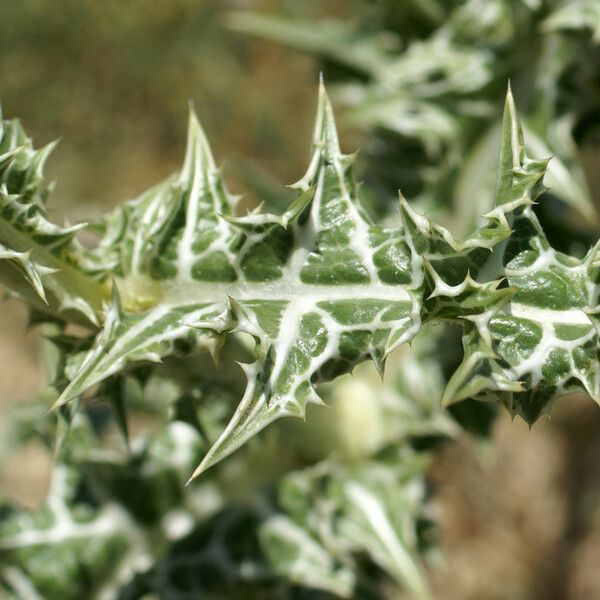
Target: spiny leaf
(32,272)
(43,252)
(319,288)
(544,342)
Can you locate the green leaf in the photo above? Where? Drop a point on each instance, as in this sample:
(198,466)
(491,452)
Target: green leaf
(319,288)
(544,342)
(38,256)
(333,512)
(67,549)
(108,517)
(297,556)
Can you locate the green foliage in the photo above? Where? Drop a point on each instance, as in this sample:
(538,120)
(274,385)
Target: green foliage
(428,94)
(319,288)
(544,342)
(214,325)
(32,245)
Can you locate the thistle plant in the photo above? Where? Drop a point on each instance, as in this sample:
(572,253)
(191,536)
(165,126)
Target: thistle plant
(298,299)
(214,325)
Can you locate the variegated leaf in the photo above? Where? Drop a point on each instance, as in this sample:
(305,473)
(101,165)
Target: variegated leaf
(544,342)
(333,512)
(67,550)
(107,518)
(40,256)
(319,288)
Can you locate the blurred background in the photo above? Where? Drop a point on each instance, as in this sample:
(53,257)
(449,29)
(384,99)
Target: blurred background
(112,80)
